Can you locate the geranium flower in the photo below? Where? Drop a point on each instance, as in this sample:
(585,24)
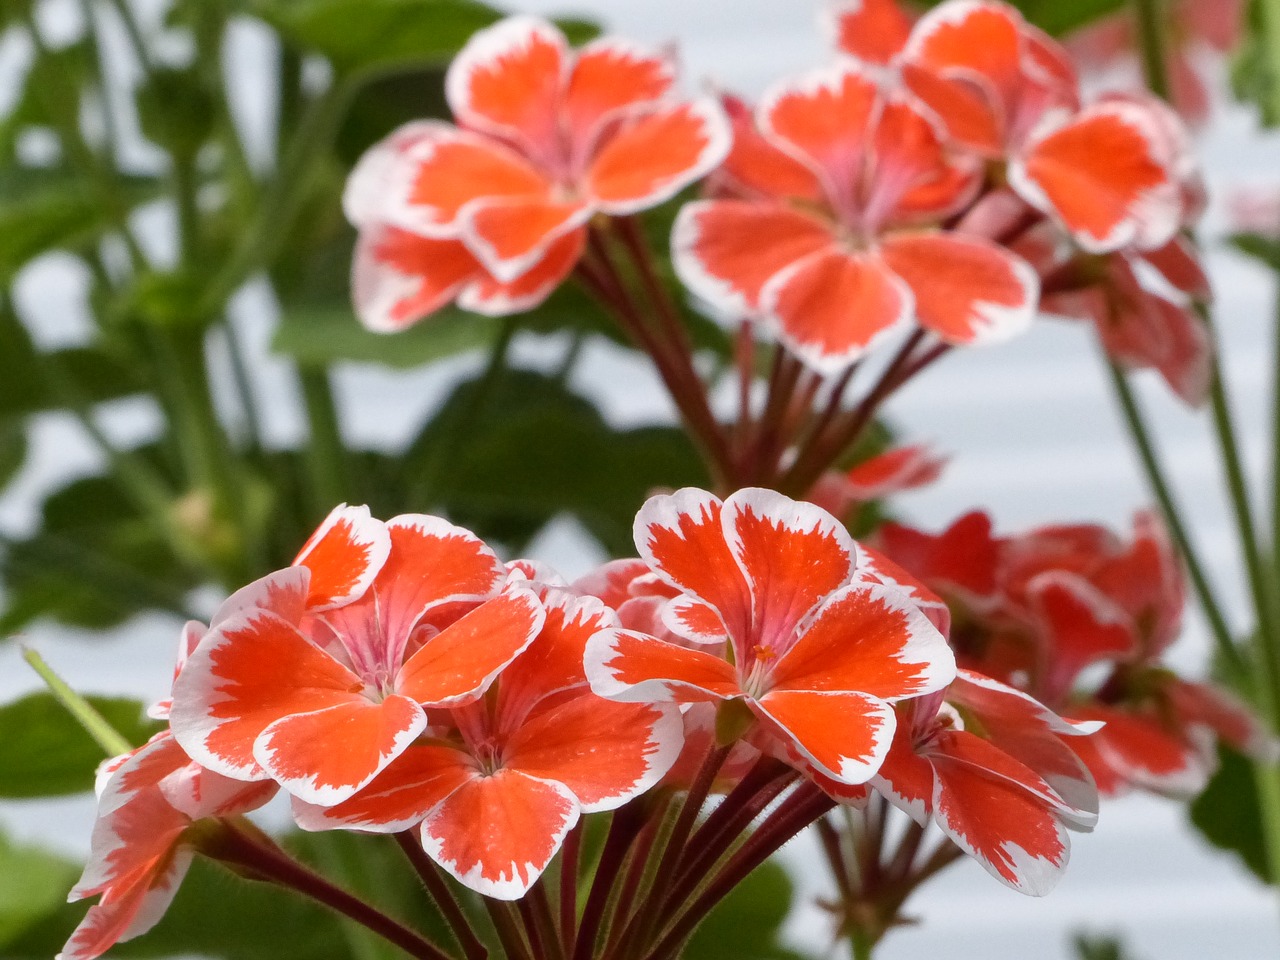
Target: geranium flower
(833,244)
(769,586)
(493,212)
(894,471)
(1006,794)
(1001,87)
(147,800)
(874,31)
(496,785)
(321,697)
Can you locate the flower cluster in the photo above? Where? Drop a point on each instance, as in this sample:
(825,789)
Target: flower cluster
(942,176)
(1081,619)
(399,677)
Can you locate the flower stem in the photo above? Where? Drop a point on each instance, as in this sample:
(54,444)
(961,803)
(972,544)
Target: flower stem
(440,894)
(1151,20)
(626,824)
(251,851)
(1155,474)
(94,723)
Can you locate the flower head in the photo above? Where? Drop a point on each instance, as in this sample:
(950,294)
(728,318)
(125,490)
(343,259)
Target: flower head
(776,618)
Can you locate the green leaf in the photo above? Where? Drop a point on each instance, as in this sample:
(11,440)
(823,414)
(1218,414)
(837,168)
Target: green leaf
(1091,946)
(1265,250)
(215,914)
(175,109)
(377,34)
(54,756)
(1058,17)
(746,924)
(33,885)
(318,334)
(504,457)
(13,450)
(1227,813)
(43,210)
(362,35)
(94,562)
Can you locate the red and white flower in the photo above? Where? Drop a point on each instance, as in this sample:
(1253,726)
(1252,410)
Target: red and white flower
(320,692)
(493,212)
(495,785)
(1006,795)
(836,247)
(768,590)
(147,800)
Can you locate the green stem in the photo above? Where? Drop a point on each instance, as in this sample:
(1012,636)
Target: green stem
(249,850)
(1155,474)
(1151,21)
(326,453)
(1275,436)
(440,894)
(1270,43)
(94,723)
(264,236)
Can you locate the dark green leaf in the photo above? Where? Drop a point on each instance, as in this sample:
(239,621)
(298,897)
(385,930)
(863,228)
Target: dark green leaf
(1100,947)
(215,914)
(43,210)
(33,885)
(45,753)
(175,110)
(13,450)
(95,561)
(1061,16)
(361,35)
(1263,249)
(747,923)
(1228,814)
(377,34)
(504,457)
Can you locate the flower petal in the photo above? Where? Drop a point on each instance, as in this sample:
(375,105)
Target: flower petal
(719,254)
(1010,831)
(326,756)
(462,660)
(246,674)
(508,81)
(1082,626)
(681,538)
(653,155)
(874,31)
(967,290)
(846,735)
(380,170)
(822,119)
(399,797)
(611,75)
(129,914)
(496,834)
(607,753)
(794,554)
(344,555)
(636,668)
(870,639)
(444,174)
(399,277)
(491,297)
(511,235)
(1102,176)
(832,306)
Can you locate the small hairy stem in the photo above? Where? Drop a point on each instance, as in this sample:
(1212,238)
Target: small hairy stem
(438,890)
(626,824)
(514,946)
(804,806)
(1154,470)
(247,849)
(570,855)
(673,360)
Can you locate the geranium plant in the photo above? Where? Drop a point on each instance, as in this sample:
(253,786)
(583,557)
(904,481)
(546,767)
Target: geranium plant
(590,768)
